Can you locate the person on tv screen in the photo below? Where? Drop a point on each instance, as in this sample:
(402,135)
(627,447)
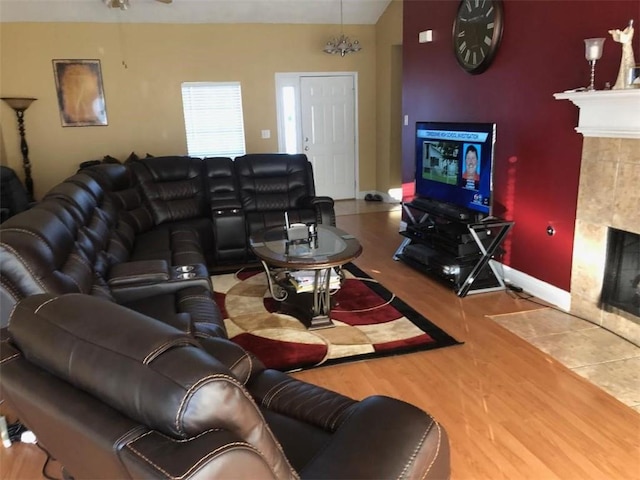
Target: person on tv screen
(471,173)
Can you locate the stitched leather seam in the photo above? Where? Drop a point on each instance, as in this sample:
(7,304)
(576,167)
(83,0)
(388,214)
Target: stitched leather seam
(193,297)
(25,265)
(82,260)
(46,302)
(199,334)
(136,275)
(28,232)
(174,232)
(415,451)
(10,289)
(73,280)
(177,342)
(238,361)
(338,415)
(140,428)
(195,386)
(199,462)
(119,242)
(184,252)
(437,450)
(10,358)
(276,389)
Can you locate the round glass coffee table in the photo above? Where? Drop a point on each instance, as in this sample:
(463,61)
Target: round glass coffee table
(303,274)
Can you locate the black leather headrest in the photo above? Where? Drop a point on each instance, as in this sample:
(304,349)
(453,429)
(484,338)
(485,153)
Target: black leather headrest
(112,176)
(172,169)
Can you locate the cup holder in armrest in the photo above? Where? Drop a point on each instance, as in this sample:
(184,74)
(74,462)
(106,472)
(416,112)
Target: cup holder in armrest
(186,276)
(181,273)
(184,269)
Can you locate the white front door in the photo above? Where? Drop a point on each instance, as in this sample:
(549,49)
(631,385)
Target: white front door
(327,105)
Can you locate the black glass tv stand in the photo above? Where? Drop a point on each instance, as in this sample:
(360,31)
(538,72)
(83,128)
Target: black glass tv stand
(454,246)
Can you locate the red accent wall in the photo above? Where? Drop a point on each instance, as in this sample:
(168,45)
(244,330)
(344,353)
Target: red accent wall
(538,152)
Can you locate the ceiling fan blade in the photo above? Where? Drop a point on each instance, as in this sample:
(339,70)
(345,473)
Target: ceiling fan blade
(164,1)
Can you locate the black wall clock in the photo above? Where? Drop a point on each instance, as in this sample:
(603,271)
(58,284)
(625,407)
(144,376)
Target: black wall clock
(477,31)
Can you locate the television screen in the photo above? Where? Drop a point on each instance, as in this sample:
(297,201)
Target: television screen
(454,163)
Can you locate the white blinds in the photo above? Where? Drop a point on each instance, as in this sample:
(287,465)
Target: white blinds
(213,119)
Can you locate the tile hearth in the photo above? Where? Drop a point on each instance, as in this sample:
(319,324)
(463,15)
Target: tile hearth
(602,357)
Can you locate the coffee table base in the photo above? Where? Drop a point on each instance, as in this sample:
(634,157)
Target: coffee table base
(300,306)
(311,308)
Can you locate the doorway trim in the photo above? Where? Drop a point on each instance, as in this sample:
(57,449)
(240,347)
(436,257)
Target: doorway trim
(292,79)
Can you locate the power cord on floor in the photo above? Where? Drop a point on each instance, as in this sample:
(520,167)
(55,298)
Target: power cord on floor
(46,463)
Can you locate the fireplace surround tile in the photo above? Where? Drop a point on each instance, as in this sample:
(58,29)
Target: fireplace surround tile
(626,209)
(597,182)
(588,260)
(629,150)
(608,196)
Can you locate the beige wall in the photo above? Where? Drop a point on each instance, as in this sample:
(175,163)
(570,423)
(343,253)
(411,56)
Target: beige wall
(143,100)
(389,98)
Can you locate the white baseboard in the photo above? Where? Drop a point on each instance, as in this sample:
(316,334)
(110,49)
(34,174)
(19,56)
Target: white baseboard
(542,290)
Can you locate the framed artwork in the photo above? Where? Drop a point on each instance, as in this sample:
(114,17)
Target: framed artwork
(80,92)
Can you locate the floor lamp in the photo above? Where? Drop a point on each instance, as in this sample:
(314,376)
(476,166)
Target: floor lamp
(20,104)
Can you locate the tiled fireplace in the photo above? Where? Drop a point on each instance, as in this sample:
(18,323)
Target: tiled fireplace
(608,196)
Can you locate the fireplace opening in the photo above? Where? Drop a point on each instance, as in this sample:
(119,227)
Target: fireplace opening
(621,285)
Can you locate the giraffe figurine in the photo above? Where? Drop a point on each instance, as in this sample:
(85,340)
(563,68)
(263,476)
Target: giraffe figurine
(627,62)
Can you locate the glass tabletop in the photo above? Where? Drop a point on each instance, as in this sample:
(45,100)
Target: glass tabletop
(334,247)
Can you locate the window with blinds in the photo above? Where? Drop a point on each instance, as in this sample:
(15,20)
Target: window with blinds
(213,119)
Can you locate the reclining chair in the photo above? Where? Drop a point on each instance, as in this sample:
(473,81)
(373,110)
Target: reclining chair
(272,184)
(111,393)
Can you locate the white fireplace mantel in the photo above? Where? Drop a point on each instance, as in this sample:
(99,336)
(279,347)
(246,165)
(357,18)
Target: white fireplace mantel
(607,113)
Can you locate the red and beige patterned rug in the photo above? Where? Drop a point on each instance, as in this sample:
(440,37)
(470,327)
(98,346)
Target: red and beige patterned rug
(370,322)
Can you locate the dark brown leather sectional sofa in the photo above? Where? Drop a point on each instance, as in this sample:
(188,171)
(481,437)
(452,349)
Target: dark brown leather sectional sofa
(116,355)
(119,231)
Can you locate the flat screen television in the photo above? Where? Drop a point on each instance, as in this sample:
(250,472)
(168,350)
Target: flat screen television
(454,163)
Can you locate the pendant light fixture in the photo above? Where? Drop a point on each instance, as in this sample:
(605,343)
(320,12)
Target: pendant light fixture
(342,44)
(121,4)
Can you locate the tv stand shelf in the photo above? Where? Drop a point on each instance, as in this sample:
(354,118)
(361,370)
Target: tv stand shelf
(456,248)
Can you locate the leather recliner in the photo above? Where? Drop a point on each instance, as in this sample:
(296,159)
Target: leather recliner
(271,184)
(111,393)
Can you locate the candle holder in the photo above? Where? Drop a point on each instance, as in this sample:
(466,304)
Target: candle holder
(593,52)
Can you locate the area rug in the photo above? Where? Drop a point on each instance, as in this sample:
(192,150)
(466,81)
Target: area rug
(370,322)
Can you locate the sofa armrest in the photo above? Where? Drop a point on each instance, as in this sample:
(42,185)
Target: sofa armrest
(142,272)
(214,454)
(420,445)
(283,394)
(176,279)
(323,206)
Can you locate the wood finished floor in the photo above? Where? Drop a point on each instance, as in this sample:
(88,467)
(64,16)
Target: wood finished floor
(511,411)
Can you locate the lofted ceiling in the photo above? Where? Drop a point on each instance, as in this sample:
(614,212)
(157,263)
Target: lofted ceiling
(361,12)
